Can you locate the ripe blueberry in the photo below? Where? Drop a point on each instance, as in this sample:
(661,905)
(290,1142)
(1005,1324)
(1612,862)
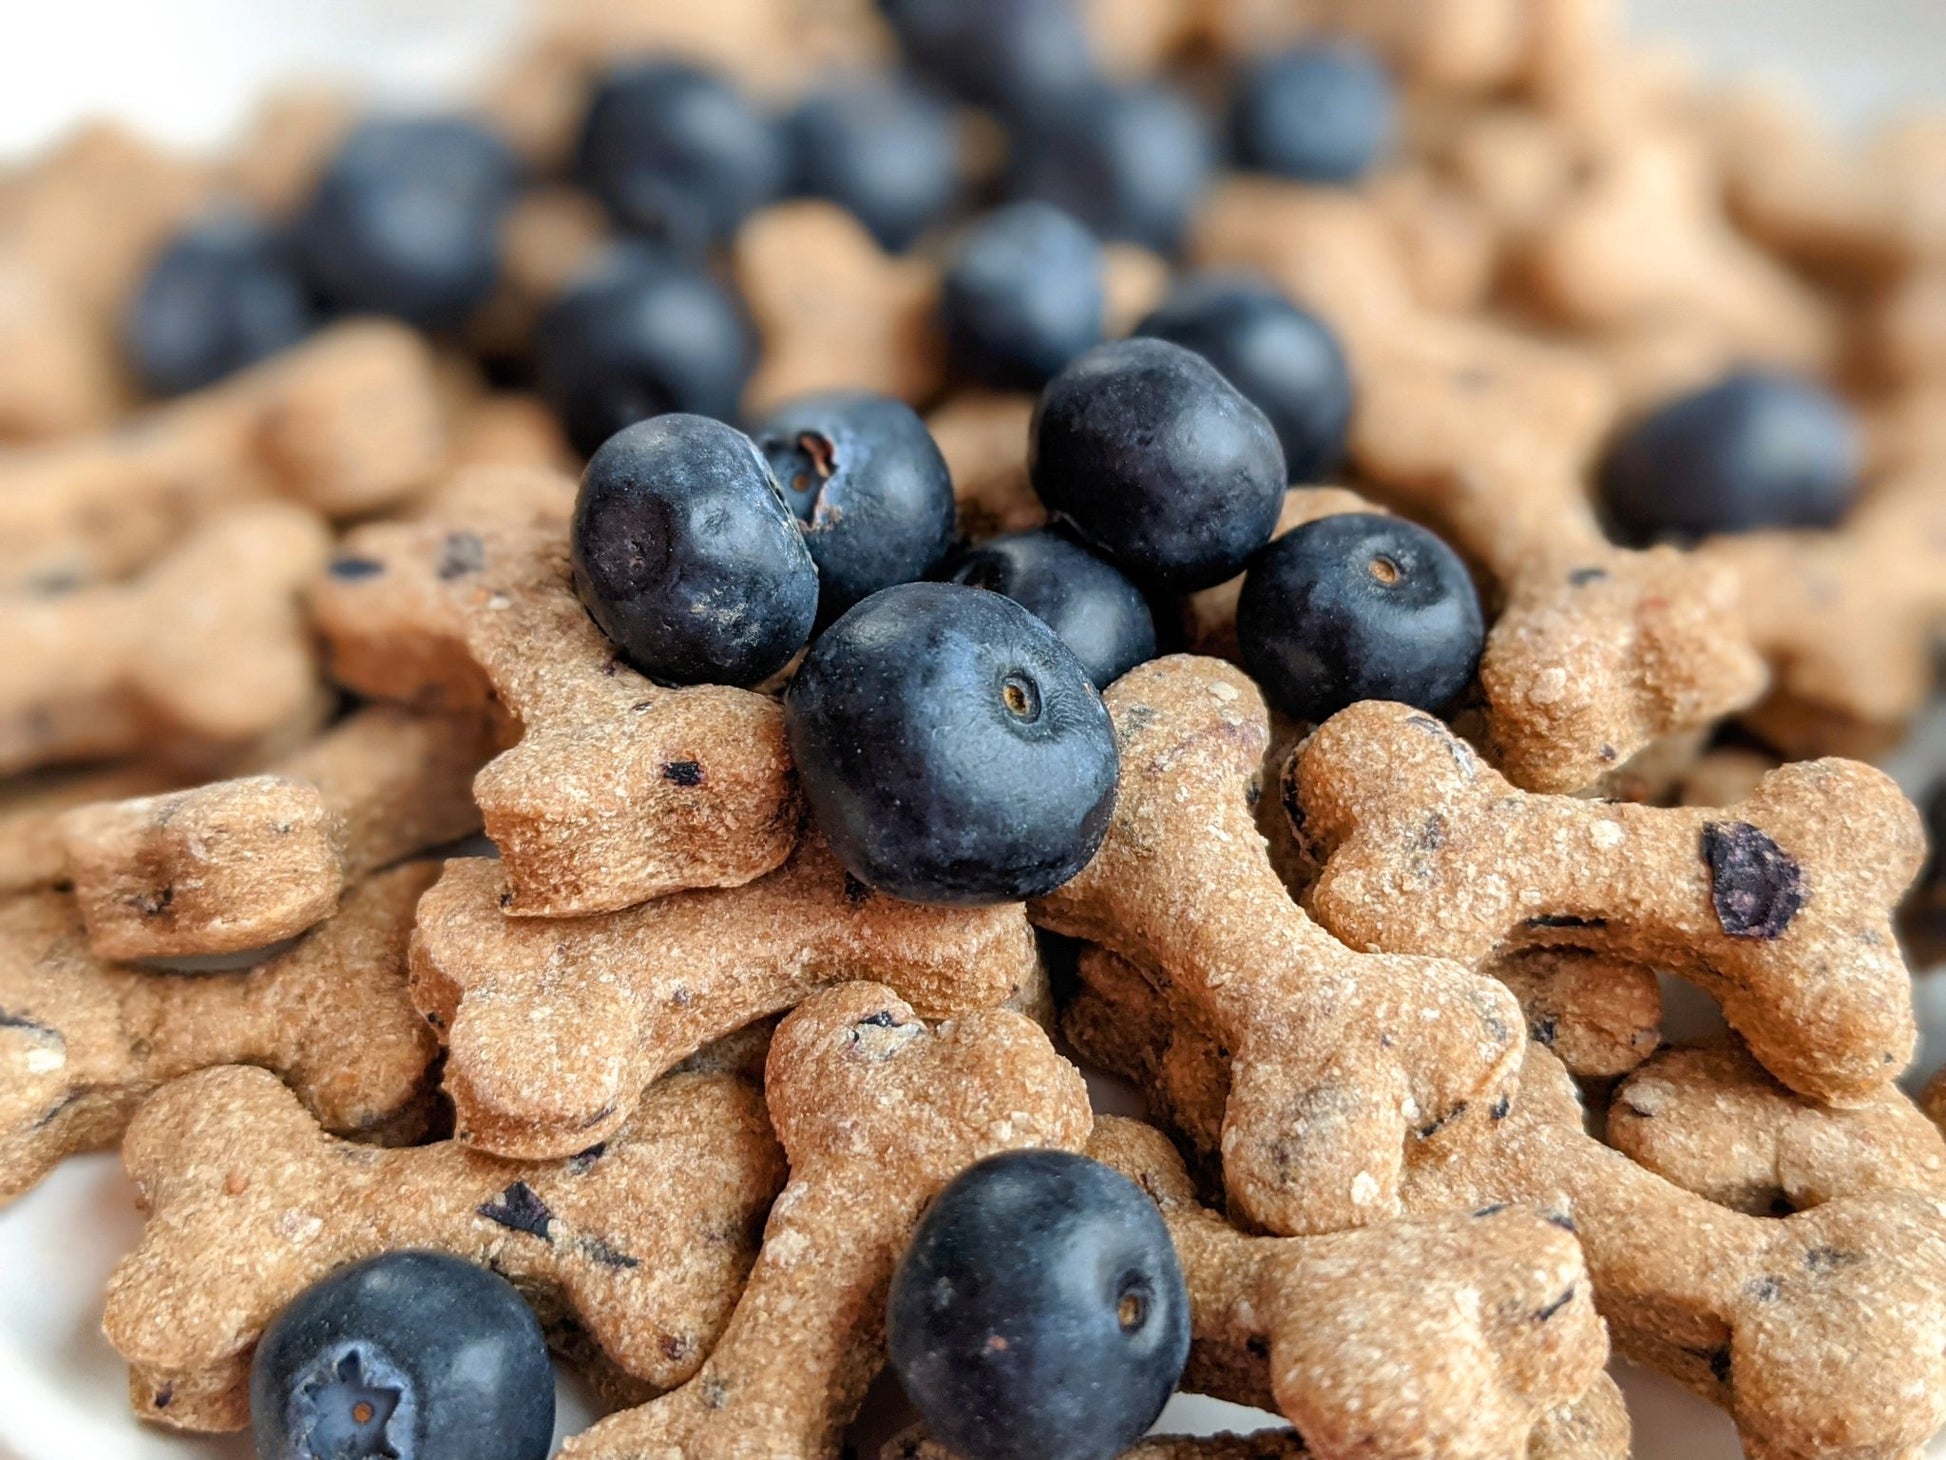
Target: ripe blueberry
(687,558)
(1285,361)
(951,747)
(882,148)
(1129,161)
(222,295)
(406,220)
(677,154)
(1098,613)
(1040,1312)
(1359,607)
(871,491)
(636,337)
(1760,449)
(1158,463)
(1019,57)
(406,1356)
(1022,296)
(1320,113)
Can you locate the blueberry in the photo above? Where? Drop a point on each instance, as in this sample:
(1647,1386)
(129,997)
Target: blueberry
(687,557)
(1020,58)
(407,1356)
(1098,613)
(406,220)
(869,487)
(1320,113)
(1359,607)
(951,747)
(1284,360)
(1158,463)
(635,338)
(222,295)
(677,154)
(882,148)
(1040,1312)
(1129,161)
(1760,449)
(1022,296)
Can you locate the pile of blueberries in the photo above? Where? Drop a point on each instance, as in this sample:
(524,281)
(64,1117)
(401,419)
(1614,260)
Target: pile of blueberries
(945,713)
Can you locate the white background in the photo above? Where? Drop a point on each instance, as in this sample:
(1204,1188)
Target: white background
(188,70)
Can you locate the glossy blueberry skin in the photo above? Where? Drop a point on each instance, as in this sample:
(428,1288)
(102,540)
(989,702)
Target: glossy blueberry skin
(1285,361)
(687,558)
(1098,613)
(677,154)
(951,747)
(1022,296)
(869,488)
(406,220)
(1321,113)
(222,295)
(1040,1312)
(635,338)
(1157,463)
(880,147)
(1021,58)
(1359,607)
(416,1355)
(1759,449)
(1129,161)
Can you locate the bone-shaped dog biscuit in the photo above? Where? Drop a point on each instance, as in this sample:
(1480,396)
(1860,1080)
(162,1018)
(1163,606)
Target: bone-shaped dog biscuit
(640,1243)
(1348,1066)
(209,647)
(618,789)
(1780,906)
(876,1113)
(1708,1118)
(243,863)
(83,1043)
(1446,1336)
(553,1025)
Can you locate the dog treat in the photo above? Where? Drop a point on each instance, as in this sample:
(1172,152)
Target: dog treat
(31,809)
(1779,907)
(508,429)
(238,864)
(347,423)
(983,435)
(550,236)
(1932,1099)
(634,1249)
(1485,1323)
(618,789)
(1599,1016)
(834,310)
(84,1042)
(1348,1066)
(876,1113)
(1724,776)
(285,145)
(1708,1118)
(208,648)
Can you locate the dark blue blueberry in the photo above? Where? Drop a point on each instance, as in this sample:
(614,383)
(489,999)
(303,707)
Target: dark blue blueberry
(1023,295)
(882,148)
(1284,360)
(1158,463)
(1320,113)
(1129,161)
(406,220)
(1022,58)
(687,558)
(951,747)
(678,155)
(1097,612)
(1760,449)
(222,295)
(869,488)
(1040,1312)
(637,337)
(1359,607)
(404,1356)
